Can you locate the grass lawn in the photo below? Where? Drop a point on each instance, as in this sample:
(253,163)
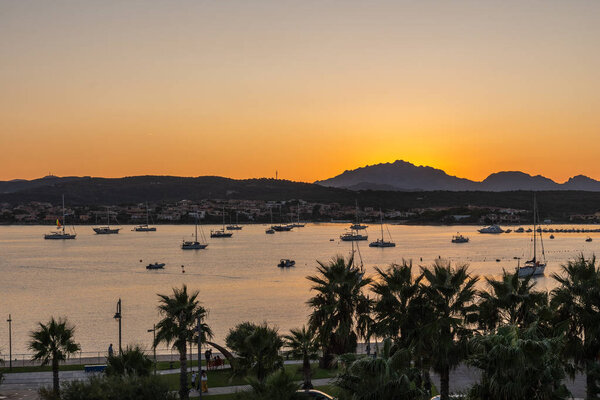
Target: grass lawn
(223,377)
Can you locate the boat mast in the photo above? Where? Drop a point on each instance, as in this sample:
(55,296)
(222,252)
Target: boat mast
(196,228)
(534,230)
(381,221)
(147,214)
(63,204)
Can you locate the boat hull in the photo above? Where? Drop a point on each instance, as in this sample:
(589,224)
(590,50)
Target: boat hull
(353,238)
(193,246)
(382,244)
(531,270)
(144,229)
(106,231)
(59,236)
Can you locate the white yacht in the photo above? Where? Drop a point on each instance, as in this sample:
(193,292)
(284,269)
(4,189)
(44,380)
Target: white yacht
(534,267)
(491,229)
(60,232)
(353,236)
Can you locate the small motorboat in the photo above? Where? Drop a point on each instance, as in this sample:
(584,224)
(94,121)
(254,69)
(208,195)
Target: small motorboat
(156,266)
(551,236)
(458,238)
(270,231)
(589,239)
(285,263)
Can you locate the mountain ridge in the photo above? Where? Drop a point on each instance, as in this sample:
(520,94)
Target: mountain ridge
(404,176)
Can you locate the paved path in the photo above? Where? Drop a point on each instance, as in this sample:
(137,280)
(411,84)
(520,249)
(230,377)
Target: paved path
(23,385)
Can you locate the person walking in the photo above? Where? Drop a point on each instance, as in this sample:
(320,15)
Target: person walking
(194,380)
(204,380)
(110,350)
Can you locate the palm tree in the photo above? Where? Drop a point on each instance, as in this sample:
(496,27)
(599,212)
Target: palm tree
(337,306)
(181,312)
(279,385)
(518,364)
(395,288)
(511,301)
(387,377)
(576,301)
(303,344)
(132,361)
(450,296)
(257,348)
(52,343)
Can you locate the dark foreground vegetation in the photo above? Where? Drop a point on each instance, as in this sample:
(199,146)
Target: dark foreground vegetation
(526,343)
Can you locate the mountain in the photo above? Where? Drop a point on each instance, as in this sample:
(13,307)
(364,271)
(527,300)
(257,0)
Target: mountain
(399,175)
(404,176)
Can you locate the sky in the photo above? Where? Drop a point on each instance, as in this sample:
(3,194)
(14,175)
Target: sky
(308,88)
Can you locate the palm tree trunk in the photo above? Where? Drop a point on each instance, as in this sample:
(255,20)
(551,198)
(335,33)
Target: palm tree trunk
(55,381)
(591,389)
(306,371)
(183,378)
(445,383)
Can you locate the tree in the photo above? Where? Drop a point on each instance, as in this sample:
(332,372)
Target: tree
(335,308)
(279,385)
(303,344)
(518,364)
(257,348)
(132,361)
(450,296)
(53,343)
(511,301)
(396,288)
(387,377)
(181,312)
(577,304)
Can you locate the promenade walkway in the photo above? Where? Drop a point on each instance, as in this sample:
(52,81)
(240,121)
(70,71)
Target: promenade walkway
(24,385)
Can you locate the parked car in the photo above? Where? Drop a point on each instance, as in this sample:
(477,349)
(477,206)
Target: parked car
(315,395)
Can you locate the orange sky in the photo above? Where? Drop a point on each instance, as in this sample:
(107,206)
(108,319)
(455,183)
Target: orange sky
(310,88)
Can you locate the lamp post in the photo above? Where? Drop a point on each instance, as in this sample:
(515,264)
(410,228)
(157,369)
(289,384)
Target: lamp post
(199,329)
(9,320)
(118,317)
(153,330)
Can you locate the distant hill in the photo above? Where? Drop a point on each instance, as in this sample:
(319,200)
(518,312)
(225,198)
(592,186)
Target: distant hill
(86,191)
(404,176)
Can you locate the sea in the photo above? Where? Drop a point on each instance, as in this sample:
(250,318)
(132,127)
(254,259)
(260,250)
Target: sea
(238,278)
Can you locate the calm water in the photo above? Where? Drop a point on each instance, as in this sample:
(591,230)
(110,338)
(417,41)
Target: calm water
(237,277)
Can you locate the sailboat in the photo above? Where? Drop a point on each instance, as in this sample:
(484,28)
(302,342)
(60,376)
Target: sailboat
(60,232)
(381,242)
(297,224)
(281,227)
(357,225)
(195,245)
(534,267)
(235,227)
(270,231)
(145,227)
(221,233)
(106,230)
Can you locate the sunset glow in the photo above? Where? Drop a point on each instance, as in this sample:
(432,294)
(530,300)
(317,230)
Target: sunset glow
(308,88)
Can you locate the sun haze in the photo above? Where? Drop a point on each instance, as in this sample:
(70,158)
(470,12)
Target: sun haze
(309,88)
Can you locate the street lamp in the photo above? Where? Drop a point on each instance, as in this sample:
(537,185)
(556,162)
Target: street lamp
(153,330)
(118,317)
(9,320)
(199,329)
